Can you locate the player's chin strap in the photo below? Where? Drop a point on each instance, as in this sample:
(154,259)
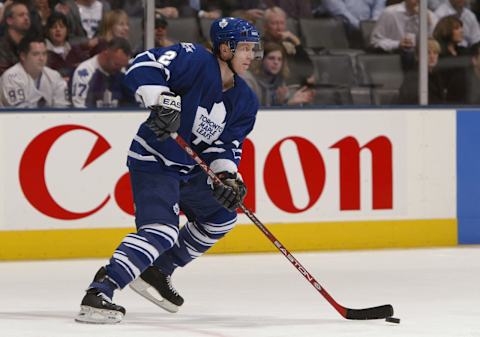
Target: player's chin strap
(229,61)
(230,65)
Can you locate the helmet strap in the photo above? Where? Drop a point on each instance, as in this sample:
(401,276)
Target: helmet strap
(229,61)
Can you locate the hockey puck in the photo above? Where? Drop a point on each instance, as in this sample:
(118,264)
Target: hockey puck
(393,320)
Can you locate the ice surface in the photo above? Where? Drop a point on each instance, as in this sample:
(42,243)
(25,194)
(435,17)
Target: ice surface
(435,292)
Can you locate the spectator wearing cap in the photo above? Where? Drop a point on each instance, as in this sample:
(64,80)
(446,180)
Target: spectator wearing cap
(161,32)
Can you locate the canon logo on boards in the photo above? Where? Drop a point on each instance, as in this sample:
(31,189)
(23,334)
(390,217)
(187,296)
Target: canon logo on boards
(35,186)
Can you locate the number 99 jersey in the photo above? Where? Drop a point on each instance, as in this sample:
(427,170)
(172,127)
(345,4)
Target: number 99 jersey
(18,89)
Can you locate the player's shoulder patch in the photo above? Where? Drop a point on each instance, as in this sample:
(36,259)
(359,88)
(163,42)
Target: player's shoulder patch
(83,72)
(188,47)
(15,73)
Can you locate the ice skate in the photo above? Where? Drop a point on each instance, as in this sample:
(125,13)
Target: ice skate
(157,288)
(98,308)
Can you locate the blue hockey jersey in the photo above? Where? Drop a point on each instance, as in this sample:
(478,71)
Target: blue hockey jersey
(214,122)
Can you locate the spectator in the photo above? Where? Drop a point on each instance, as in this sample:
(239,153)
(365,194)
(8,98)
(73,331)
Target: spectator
(30,83)
(43,9)
(397,30)
(471,27)
(17,22)
(114,24)
(397,27)
(449,33)
(161,34)
(98,81)
(297,58)
(354,11)
(62,56)
(454,60)
(436,86)
(84,18)
(268,80)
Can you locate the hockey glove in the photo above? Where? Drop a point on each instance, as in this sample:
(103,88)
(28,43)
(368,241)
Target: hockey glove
(165,116)
(231,194)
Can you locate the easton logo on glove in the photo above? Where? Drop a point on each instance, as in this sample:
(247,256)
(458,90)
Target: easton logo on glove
(170,102)
(164,118)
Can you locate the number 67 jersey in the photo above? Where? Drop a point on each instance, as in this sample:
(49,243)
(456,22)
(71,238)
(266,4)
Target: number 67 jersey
(214,122)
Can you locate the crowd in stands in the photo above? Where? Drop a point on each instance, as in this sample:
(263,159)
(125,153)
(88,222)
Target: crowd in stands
(73,53)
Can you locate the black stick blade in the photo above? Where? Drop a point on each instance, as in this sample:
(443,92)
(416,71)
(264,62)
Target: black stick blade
(380,312)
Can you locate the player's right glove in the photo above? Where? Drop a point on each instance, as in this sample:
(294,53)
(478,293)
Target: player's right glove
(231,194)
(165,116)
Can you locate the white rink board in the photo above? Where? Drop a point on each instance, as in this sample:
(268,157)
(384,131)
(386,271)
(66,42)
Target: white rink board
(423,162)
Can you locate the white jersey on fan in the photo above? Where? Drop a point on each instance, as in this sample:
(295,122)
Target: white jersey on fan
(20,90)
(91,17)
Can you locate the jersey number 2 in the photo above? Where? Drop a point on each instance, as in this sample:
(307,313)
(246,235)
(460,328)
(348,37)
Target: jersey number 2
(167,57)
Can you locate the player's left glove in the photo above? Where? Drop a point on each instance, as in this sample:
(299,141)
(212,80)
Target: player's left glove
(231,194)
(165,116)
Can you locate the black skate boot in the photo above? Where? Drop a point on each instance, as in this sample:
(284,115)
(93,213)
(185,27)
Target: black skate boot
(97,308)
(157,288)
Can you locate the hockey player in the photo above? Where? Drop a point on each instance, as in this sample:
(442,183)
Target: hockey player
(198,94)
(30,83)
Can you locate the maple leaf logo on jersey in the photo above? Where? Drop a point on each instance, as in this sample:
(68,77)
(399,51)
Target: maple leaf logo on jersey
(208,126)
(83,73)
(223,23)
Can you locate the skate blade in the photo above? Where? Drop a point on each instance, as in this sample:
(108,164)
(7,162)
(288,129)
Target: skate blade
(98,316)
(150,293)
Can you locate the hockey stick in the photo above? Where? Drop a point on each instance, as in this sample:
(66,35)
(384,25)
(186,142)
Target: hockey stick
(383,311)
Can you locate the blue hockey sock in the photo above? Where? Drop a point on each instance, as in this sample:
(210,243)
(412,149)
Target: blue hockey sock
(138,251)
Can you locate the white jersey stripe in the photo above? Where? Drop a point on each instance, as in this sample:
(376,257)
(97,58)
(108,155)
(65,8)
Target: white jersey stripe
(165,160)
(152,64)
(137,156)
(214,150)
